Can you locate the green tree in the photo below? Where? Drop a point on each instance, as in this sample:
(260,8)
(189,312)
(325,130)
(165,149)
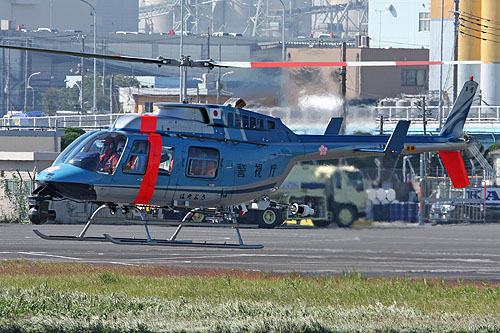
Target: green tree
(72,133)
(69,98)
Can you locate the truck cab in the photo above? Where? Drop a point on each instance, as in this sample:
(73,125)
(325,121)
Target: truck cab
(336,193)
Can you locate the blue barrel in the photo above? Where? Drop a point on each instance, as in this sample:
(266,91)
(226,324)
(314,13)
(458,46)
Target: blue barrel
(397,214)
(385,212)
(395,211)
(412,212)
(377,212)
(403,207)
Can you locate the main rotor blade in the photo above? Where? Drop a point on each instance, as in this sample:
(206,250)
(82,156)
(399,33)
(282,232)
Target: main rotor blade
(185,61)
(243,64)
(157,61)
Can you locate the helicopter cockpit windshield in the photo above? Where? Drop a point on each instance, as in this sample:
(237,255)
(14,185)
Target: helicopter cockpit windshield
(97,152)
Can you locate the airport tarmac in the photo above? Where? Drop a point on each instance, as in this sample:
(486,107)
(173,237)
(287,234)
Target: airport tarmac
(466,251)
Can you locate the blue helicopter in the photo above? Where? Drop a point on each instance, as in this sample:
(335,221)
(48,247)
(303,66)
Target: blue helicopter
(212,158)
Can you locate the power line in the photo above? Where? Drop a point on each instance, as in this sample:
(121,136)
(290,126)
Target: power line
(485,39)
(480,25)
(481,31)
(480,18)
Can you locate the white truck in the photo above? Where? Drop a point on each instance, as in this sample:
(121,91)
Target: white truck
(336,193)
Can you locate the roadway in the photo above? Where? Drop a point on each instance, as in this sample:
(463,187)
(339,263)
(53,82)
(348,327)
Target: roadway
(450,251)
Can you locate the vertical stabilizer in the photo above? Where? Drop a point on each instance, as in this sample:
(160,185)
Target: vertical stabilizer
(454,125)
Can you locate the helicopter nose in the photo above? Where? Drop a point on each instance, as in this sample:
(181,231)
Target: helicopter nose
(75,191)
(68,174)
(68,181)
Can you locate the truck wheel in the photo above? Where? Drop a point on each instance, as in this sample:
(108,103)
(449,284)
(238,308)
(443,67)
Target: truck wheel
(270,218)
(321,223)
(345,216)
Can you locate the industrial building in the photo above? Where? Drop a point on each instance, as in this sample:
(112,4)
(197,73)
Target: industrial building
(74,15)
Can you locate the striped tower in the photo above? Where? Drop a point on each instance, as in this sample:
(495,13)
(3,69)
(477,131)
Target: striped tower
(469,40)
(490,52)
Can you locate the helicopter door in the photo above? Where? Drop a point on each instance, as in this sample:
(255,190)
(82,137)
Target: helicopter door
(203,182)
(133,171)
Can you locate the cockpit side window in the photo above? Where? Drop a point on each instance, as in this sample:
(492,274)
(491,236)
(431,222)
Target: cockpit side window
(203,162)
(99,152)
(137,161)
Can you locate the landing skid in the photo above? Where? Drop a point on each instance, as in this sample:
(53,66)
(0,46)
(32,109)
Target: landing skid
(172,241)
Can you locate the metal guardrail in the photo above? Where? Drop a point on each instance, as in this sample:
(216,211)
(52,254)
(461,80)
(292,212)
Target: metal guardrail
(477,114)
(87,122)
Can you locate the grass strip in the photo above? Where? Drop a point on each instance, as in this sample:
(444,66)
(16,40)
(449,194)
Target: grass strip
(82,298)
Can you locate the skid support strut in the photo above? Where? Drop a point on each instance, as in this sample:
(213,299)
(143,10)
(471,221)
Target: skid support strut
(172,241)
(81,236)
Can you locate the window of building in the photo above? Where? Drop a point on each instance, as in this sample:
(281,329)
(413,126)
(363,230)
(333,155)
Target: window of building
(237,121)
(413,77)
(230,119)
(245,121)
(148,107)
(424,21)
(203,162)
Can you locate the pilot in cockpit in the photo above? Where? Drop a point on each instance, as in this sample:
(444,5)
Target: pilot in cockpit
(109,158)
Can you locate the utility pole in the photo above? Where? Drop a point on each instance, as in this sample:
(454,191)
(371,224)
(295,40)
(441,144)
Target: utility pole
(82,73)
(7,84)
(181,55)
(423,168)
(441,50)
(455,52)
(111,79)
(218,77)
(424,116)
(283,32)
(103,68)
(343,88)
(2,81)
(26,60)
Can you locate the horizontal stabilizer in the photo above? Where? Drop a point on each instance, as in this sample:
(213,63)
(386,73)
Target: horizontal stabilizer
(396,141)
(454,165)
(334,125)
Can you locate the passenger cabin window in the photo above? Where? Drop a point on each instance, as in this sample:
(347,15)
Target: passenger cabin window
(253,122)
(270,124)
(167,160)
(138,160)
(260,123)
(203,162)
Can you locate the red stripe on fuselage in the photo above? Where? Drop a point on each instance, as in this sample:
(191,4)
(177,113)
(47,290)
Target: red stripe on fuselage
(149,179)
(148,125)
